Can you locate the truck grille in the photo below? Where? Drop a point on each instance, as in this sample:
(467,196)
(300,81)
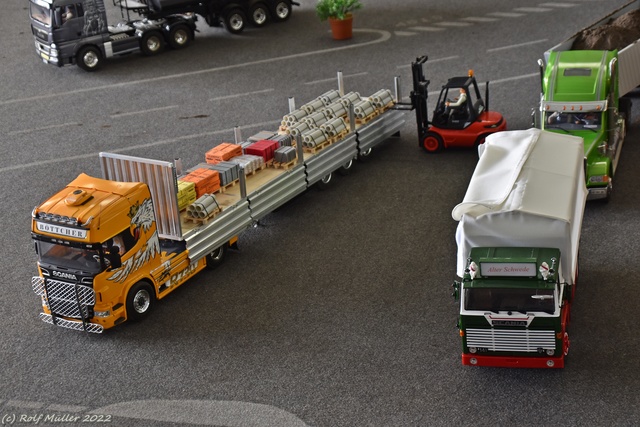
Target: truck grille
(65,299)
(525,340)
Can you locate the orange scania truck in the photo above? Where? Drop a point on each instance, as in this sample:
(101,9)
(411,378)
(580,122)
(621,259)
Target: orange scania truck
(109,247)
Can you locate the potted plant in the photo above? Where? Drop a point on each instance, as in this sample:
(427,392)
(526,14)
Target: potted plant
(339,14)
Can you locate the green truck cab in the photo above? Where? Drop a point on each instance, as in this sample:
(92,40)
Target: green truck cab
(580,97)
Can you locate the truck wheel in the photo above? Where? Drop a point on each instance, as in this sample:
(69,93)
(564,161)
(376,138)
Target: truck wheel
(432,142)
(325,181)
(180,36)
(89,58)
(259,15)
(346,168)
(151,43)
(282,10)
(140,301)
(216,257)
(234,21)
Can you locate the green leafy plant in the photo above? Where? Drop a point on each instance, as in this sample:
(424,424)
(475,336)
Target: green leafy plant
(336,9)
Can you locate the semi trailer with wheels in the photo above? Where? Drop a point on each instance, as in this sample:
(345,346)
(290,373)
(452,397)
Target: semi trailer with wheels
(77,31)
(108,248)
(518,237)
(584,81)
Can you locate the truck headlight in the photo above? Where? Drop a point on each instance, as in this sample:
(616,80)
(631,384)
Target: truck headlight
(599,178)
(473,350)
(550,352)
(106,313)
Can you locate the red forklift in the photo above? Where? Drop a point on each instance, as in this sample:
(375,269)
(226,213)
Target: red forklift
(455,124)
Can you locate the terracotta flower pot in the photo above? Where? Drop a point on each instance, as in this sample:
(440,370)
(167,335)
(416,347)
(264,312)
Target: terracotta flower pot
(342,29)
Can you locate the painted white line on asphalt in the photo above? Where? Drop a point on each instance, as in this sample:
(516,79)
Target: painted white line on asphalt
(532,9)
(496,49)
(204,412)
(431,61)
(334,78)
(565,5)
(135,147)
(61,125)
(430,29)
(384,36)
(67,408)
(404,33)
(133,113)
(479,19)
(453,24)
(506,14)
(238,95)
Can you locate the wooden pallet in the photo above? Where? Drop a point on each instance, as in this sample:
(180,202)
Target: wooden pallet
(224,188)
(285,166)
(212,215)
(371,116)
(317,148)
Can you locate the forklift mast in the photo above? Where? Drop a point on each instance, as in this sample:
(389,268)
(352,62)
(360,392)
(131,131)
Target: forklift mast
(419,94)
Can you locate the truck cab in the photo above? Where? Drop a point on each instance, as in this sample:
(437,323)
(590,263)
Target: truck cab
(93,239)
(580,97)
(513,300)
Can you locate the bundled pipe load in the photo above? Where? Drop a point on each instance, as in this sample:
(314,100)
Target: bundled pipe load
(313,137)
(316,119)
(205,206)
(284,154)
(298,129)
(293,117)
(329,97)
(334,127)
(364,109)
(336,109)
(313,106)
(350,98)
(381,98)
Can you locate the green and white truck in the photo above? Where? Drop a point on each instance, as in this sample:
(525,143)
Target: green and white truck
(583,83)
(518,237)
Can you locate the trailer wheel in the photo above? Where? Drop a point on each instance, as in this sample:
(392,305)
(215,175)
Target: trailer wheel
(346,168)
(151,43)
(216,257)
(89,58)
(362,157)
(432,142)
(180,36)
(282,10)
(234,21)
(259,14)
(325,181)
(140,301)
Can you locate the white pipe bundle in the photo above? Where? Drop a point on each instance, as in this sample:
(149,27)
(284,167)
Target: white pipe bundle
(203,207)
(363,109)
(312,106)
(350,98)
(381,98)
(316,119)
(313,138)
(297,128)
(336,109)
(329,97)
(334,127)
(293,117)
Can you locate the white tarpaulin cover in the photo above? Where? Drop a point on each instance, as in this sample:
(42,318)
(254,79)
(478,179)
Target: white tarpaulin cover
(528,189)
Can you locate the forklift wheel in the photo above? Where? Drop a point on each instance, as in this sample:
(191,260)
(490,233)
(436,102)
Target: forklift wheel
(432,142)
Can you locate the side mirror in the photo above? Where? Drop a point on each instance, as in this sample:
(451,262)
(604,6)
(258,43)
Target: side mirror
(456,290)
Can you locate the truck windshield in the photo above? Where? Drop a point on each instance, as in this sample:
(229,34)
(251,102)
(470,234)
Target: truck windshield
(87,260)
(41,14)
(510,299)
(573,121)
